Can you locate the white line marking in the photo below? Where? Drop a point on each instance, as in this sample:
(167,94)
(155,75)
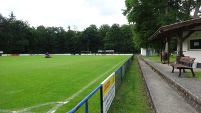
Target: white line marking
(29,108)
(59,104)
(37,106)
(5,111)
(80,91)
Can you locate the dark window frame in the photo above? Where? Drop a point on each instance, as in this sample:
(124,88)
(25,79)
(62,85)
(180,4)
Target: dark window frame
(195,44)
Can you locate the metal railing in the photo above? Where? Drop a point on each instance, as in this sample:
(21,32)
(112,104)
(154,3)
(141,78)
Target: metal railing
(85,101)
(118,78)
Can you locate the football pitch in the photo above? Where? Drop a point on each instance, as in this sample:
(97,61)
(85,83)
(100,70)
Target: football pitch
(57,84)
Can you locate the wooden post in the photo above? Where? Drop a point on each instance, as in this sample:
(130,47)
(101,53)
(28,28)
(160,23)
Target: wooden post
(180,35)
(161,45)
(168,52)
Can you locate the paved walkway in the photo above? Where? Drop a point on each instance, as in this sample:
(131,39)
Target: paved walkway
(168,89)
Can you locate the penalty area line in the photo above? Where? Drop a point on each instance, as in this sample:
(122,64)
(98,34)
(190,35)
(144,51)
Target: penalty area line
(5,111)
(37,106)
(28,108)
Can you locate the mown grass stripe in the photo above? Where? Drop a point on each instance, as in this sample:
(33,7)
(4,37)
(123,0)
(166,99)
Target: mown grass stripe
(85,87)
(34,80)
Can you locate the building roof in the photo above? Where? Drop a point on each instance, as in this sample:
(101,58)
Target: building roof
(172,29)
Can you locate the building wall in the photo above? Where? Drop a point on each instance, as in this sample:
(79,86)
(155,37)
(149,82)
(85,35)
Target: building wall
(192,53)
(147,52)
(143,51)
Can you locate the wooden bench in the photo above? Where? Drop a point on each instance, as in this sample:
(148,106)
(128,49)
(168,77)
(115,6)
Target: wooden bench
(184,63)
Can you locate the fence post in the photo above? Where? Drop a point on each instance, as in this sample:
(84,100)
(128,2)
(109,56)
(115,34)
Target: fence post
(121,73)
(86,107)
(101,99)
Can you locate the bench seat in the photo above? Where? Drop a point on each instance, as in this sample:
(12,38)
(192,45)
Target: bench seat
(185,63)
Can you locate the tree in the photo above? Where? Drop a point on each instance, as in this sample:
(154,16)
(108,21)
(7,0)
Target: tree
(127,39)
(7,34)
(103,30)
(12,18)
(3,40)
(71,41)
(148,16)
(60,37)
(113,39)
(91,39)
(34,41)
(141,14)
(197,7)
(42,43)
(77,44)
(16,36)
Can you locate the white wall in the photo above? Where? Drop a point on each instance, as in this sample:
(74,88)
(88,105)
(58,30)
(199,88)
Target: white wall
(192,53)
(143,51)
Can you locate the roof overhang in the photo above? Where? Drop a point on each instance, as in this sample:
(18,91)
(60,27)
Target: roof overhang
(173,29)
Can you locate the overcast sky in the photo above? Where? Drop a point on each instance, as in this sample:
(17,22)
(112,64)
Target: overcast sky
(79,13)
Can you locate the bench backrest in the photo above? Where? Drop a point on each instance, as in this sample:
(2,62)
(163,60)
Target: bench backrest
(187,61)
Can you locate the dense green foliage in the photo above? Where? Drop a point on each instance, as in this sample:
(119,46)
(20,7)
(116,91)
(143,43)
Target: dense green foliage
(38,84)
(16,36)
(148,15)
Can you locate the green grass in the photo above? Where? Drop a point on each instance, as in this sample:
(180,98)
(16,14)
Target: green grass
(197,74)
(38,84)
(189,74)
(131,96)
(158,58)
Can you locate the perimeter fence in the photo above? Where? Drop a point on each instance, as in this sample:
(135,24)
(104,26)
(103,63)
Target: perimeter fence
(107,89)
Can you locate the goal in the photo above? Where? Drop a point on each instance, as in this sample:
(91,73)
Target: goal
(85,52)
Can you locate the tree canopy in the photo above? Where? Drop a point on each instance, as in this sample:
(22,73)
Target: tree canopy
(17,36)
(148,15)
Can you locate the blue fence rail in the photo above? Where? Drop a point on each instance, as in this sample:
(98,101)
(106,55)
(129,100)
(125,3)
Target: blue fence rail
(85,101)
(119,73)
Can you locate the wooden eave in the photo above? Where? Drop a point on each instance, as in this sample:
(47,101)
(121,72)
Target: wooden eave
(173,29)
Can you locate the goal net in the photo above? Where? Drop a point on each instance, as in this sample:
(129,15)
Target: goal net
(85,52)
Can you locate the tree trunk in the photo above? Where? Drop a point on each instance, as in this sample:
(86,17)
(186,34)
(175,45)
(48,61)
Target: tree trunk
(187,7)
(197,9)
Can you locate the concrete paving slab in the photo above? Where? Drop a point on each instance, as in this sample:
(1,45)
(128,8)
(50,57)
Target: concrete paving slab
(188,88)
(165,99)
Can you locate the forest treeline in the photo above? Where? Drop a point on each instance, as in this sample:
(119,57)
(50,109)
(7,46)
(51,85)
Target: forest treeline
(144,17)
(17,36)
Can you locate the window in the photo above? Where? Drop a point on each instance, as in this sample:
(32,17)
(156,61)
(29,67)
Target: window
(195,44)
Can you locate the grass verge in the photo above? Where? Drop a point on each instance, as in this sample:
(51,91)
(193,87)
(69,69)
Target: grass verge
(158,58)
(197,74)
(131,95)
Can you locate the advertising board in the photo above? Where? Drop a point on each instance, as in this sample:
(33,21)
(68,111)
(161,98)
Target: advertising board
(108,92)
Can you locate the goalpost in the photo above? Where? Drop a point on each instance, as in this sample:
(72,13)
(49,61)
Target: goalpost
(1,52)
(106,51)
(85,52)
